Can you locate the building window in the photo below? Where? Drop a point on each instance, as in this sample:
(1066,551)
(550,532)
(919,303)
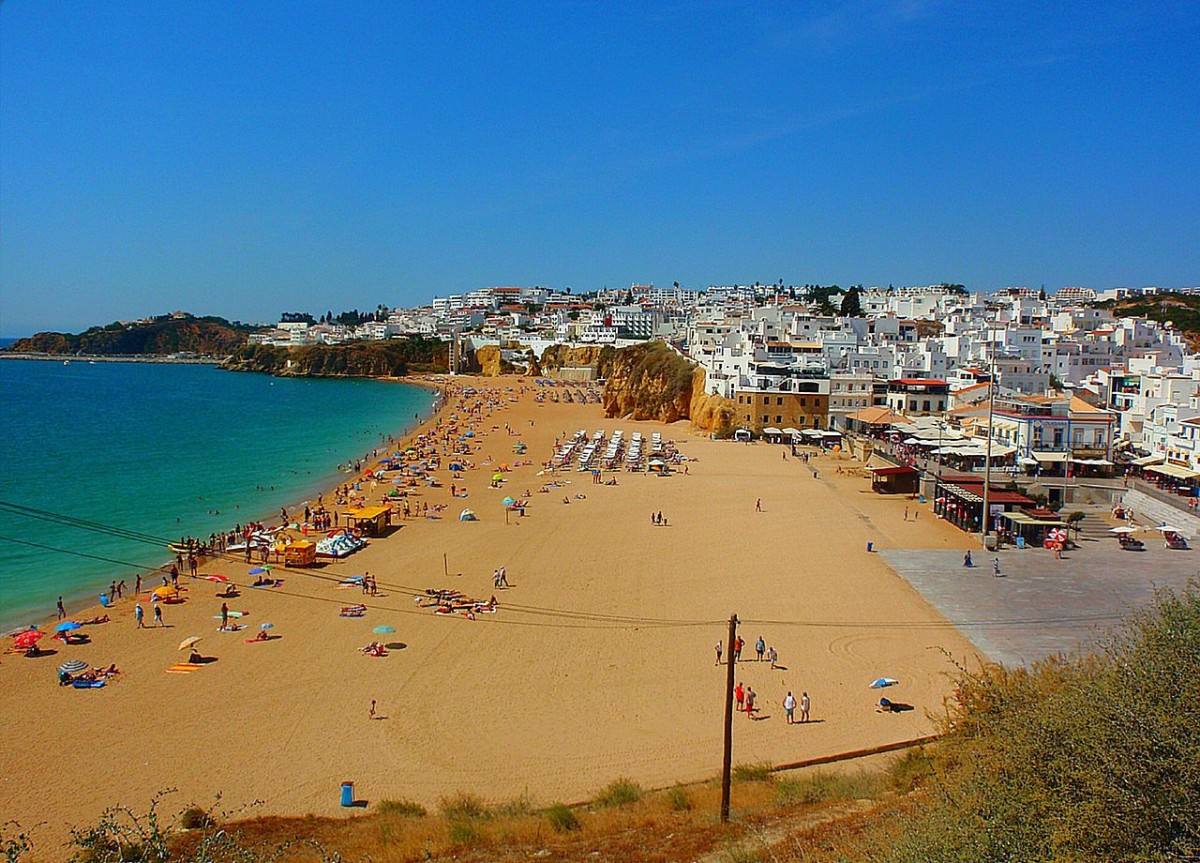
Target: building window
(778,419)
(766,418)
(779,401)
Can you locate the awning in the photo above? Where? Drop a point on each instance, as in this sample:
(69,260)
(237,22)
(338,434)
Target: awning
(1050,457)
(892,470)
(961,493)
(791,431)
(771,430)
(1023,518)
(1149,460)
(1175,471)
(1097,462)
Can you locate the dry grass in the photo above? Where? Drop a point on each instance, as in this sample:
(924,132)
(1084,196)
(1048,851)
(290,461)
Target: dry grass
(625,823)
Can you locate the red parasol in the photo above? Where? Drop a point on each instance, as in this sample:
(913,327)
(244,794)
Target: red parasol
(27,639)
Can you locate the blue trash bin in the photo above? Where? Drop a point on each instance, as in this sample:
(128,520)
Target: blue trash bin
(347,793)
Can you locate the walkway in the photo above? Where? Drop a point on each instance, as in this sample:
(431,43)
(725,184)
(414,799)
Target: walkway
(1042,606)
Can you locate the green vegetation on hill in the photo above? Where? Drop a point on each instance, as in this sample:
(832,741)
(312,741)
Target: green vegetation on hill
(1181,310)
(390,358)
(160,336)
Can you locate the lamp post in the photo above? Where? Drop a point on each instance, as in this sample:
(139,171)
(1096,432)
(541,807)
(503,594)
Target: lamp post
(987,457)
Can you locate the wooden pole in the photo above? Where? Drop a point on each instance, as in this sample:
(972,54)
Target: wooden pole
(727,763)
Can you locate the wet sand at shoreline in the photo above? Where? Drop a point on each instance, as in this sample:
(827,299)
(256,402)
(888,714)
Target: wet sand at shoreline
(598,664)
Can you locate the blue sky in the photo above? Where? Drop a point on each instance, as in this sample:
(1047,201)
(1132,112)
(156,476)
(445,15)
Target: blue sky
(243,159)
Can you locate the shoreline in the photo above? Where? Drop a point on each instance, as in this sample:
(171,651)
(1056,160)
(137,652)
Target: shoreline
(609,621)
(86,603)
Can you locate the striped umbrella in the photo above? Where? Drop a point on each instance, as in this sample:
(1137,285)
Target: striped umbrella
(73,666)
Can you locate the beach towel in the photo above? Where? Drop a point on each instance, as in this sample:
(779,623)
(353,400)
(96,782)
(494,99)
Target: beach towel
(184,668)
(87,684)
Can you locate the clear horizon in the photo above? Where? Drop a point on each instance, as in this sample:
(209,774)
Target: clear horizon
(242,161)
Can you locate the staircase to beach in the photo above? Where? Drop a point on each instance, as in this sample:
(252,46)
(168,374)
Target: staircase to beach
(1150,511)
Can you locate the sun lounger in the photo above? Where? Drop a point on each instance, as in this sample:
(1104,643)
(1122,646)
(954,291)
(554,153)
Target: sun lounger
(353,611)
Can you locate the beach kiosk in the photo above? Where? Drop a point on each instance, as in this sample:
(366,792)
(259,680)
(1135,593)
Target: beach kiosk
(302,553)
(371,520)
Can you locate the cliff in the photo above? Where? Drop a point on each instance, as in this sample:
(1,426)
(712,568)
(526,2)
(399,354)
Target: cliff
(556,357)
(647,381)
(709,412)
(391,358)
(209,336)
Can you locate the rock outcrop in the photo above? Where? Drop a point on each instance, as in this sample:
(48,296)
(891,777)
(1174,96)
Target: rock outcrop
(709,412)
(161,336)
(647,381)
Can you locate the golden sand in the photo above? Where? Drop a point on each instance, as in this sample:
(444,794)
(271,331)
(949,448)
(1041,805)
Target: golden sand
(599,663)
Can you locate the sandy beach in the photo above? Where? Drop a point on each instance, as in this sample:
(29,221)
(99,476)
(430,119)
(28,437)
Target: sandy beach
(599,662)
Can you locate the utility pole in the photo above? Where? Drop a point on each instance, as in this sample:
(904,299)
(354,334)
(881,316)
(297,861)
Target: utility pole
(727,763)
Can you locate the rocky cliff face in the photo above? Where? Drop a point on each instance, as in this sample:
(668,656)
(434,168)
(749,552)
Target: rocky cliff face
(393,358)
(708,412)
(647,381)
(556,357)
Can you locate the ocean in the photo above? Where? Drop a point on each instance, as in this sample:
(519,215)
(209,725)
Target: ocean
(162,450)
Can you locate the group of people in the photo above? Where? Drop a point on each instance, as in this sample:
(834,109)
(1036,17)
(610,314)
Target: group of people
(761,648)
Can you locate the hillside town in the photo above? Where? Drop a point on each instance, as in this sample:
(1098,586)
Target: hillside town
(1078,390)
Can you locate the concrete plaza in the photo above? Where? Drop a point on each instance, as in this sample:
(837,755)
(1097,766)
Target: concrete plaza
(1041,605)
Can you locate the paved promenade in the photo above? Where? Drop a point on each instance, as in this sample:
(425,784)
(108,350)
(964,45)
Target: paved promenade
(1041,605)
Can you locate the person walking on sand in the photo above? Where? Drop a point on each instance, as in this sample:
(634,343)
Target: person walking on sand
(158,618)
(224,616)
(371,714)
(719,649)
(62,611)
(750,696)
(738,644)
(137,585)
(504,576)
(772,655)
(120,588)
(789,707)
(804,705)
(739,696)
(759,647)
(139,615)
(758,505)
(996,567)
(906,513)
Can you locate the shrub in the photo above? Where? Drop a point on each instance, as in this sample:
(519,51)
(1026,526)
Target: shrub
(462,832)
(910,770)
(562,819)
(514,808)
(679,799)
(821,787)
(758,772)
(463,806)
(620,792)
(404,808)
(195,818)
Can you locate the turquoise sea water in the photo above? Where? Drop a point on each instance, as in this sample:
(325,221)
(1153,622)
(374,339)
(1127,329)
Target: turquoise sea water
(156,449)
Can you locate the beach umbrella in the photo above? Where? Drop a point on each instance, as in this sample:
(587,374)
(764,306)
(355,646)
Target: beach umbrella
(497,477)
(383,630)
(508,501)
(883,682)
(220,578)
(1166,528)
(73,666)
(259,570)
(27,639)
(266,626)
(190,641)
(67,626)
(1122,529)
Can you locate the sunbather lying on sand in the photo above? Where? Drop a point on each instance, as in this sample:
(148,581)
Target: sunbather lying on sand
(375,649)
